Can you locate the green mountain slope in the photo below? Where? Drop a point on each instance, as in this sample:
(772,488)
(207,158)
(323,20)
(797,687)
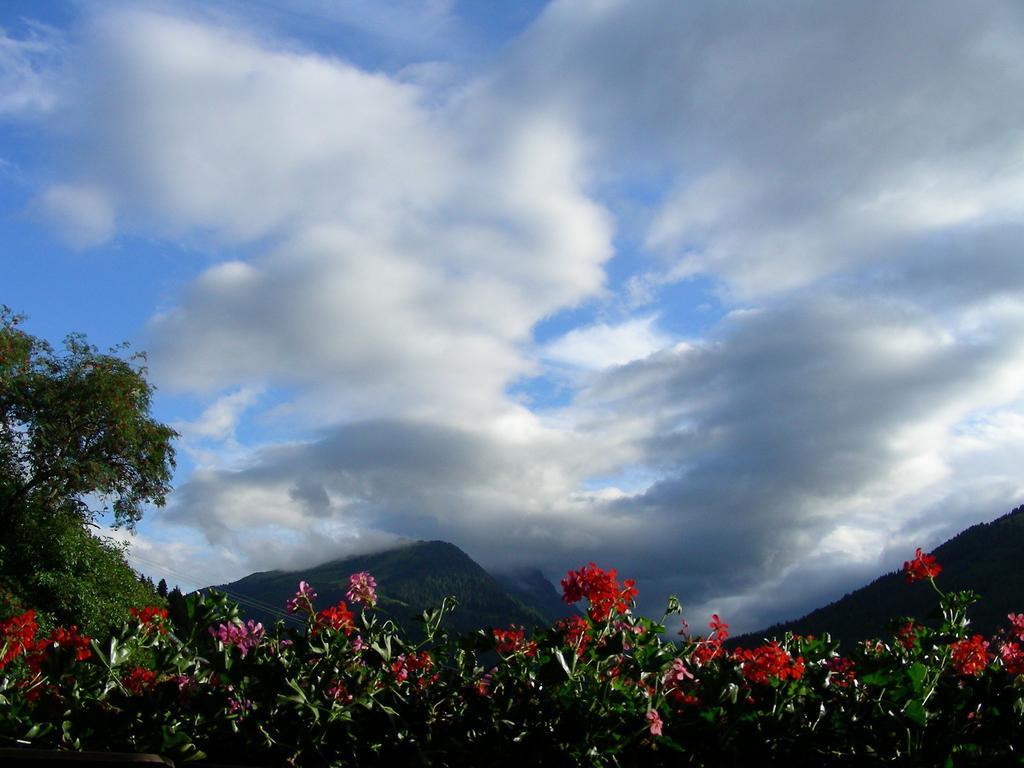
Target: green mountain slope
(410,580)
(530,587)
(988,558)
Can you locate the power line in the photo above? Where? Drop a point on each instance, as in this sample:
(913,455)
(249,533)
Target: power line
(245,600)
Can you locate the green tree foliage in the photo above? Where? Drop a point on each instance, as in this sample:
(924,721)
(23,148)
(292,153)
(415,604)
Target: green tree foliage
(76,439)
(70,576)
(75,426)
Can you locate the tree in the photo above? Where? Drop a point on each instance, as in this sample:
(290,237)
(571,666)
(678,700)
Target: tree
(76,426)
(76,438)
(70,576)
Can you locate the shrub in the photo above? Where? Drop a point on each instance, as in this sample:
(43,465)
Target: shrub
(607,688)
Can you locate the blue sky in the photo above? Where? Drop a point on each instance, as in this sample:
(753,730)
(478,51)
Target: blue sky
(727,297)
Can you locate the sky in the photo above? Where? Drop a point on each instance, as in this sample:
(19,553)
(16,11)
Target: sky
(728,296)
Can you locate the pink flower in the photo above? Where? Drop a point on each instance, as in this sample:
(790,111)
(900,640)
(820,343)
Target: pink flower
(678,673)
(239,706)
(1017,622)
(1012,657)
(245,637)
(339,693)
(362,589)
(303,600)
(654,719)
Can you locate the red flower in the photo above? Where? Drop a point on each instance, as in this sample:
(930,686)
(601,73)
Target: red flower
(512,640)
(337,617)
(921,567)
(842,671)
(482,687)
(151,618)
(970,657)
(16,636)
(705,652)
(339,693)
(69,639)
(575,628)
(767,662)
(601,588)
(907,635)
(139,680)
(415,668)
(719,629)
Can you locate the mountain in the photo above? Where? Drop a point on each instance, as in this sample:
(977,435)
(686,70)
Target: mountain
(988,558)
(530,587)
(410,580)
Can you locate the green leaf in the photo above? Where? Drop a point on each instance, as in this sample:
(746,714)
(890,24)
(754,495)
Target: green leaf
(916,712)
(881,678)
(917,673)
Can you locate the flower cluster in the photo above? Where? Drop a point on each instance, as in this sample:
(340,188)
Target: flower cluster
(16,636)
(577,633)
(767,663)
(362,589)
(151,618)
(238,705)
(601,688)
(245,637)
(1017,625)
(1011,655)
(907,635)
(303,600)
(68,639)
(139,680)
(675,682)
(921,567)
(339,693)
(842,672)
(414,668)
(710,648)
(513,640)
(337,617)
(969,656)
(601,588)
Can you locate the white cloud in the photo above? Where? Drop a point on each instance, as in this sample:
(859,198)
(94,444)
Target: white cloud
(602,346)
(218,421)
(27,64)
(803,139)
(83,215)
(404,249)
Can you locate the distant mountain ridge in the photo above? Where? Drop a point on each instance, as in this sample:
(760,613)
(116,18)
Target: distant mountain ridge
(411,579)
(988,558)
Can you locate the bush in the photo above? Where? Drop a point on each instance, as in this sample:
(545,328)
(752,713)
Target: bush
(606,688)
